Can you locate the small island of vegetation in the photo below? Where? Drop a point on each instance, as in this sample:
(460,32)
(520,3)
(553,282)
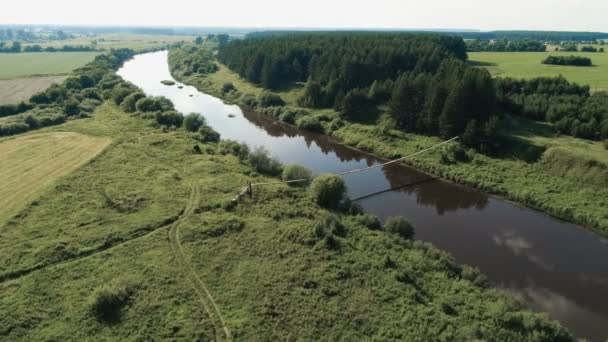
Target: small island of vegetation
(568,60)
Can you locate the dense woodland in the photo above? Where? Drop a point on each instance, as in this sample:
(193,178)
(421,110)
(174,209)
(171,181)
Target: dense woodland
(504,45)
(568,60)
(77,96)
(570,107)
(422,77)
(190,59)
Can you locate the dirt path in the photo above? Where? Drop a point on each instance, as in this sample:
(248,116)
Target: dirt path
(205,297)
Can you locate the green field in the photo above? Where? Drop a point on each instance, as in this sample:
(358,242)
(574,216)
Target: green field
(116,41)
(528,65)
(147,225)
(17,65)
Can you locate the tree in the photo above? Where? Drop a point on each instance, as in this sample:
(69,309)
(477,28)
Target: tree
(193,121)
(400,226)
(328,190)
(16,47)
(129,104)
(261,161)
(296,172)
(198,40)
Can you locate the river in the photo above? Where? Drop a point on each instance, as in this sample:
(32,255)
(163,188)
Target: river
(553,266)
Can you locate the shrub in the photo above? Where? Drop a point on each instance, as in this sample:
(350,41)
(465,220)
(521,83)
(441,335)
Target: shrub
(207,134)
(370,221)
(32,121)
(71,107)
(310,123)
(268,99)
(288,116)
(606,144)
(119,94)
(129,103)
(193,121)
(11,128)
(108,300)
(399,225)
(235,148)
(296,172)
(169,118)
(263,163)
(154,104)
(227,87)
(90,93)
(328,190)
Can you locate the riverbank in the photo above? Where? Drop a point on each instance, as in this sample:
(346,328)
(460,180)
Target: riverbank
(538,173)
(261,262)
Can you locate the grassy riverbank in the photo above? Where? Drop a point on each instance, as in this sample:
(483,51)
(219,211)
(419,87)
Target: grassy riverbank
(147,247)
(563,176)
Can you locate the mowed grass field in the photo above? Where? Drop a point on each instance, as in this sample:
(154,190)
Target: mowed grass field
(29,164)
(18,65)
(21,89)
(528,65)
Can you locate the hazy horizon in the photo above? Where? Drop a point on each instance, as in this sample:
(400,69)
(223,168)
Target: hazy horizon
(490,15)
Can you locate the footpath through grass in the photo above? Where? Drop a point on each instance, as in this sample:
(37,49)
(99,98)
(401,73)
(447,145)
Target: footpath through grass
(563,176)
(142,244)
(528,65)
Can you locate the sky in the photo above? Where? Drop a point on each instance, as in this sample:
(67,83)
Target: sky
(559,15)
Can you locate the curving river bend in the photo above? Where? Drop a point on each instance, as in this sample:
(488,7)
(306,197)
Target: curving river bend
(555,267)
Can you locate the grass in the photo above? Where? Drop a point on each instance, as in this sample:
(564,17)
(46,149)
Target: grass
(21,89)
(144,234)
(528,65)
(34,162)
(119,40)
(18,65)
(520,174)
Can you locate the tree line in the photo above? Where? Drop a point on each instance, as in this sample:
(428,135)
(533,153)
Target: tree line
(568,60)
(17,47)
(504,45)
(421,77)
(77,96)
(569,106)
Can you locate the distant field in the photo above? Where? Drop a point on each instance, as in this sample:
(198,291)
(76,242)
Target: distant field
(528,65)
(16,65)
(115,41)
(21,89)
(31,163)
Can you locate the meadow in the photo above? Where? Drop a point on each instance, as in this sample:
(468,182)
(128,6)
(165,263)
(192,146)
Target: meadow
(42,63)
(33,162)
(21,89)
(108,41)
(148,225)
(528,65)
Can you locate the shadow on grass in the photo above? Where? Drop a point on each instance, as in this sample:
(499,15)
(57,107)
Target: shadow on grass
(481,64)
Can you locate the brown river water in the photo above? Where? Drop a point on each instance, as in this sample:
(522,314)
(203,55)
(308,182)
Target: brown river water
(553,266)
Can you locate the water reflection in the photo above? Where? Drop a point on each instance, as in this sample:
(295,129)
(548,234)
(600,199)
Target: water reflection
(553,266)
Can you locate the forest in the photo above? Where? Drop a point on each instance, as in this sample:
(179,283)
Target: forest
(572,108)
(423,78)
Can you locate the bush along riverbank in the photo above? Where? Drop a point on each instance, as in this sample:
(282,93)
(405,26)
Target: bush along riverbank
(535,167)
(155,224)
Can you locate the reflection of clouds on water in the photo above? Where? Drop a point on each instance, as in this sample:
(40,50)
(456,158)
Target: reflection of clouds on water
(595,279)
(563,309)
(520,246)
